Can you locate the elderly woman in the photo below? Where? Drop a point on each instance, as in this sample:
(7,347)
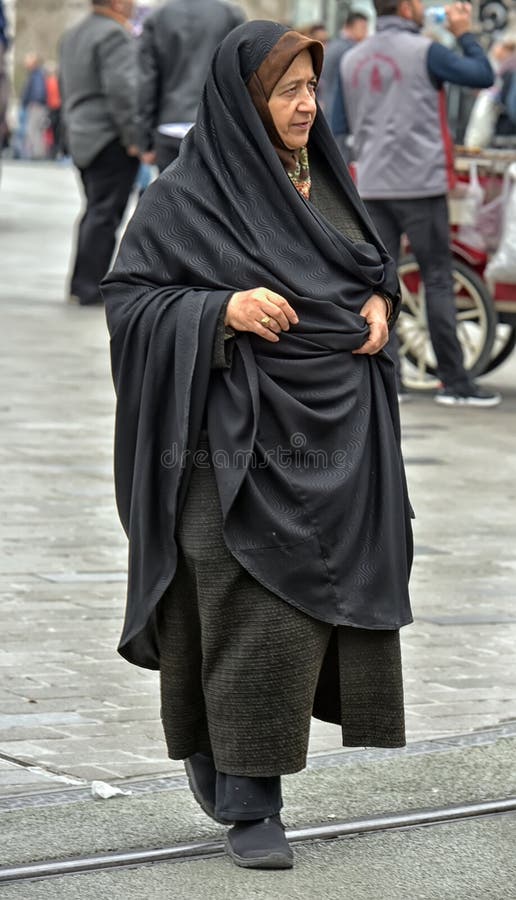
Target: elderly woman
(258,469)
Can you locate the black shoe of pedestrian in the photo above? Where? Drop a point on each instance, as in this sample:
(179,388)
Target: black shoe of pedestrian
(473,396)
(202,778)
(260,844)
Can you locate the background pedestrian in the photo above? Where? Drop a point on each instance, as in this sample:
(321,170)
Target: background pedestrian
(493,117)
(329,92)
(174,53)
(53,109)
(98,82)
(4,80)
(34,106)
(316,31)
(354,30)
(393,86)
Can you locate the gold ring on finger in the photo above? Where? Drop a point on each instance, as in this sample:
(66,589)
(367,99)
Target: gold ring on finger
(265,320)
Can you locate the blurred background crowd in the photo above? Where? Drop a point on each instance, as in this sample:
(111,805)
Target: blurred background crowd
(30,31)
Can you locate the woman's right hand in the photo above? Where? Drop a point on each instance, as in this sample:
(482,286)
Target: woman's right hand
(260,311)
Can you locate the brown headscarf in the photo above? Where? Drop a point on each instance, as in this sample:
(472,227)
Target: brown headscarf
(262,83)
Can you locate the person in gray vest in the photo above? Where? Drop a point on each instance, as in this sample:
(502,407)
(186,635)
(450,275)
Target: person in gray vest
(393,88)
(98,89)
(174,55)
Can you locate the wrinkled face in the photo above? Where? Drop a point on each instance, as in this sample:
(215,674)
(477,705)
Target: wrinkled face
(292,102)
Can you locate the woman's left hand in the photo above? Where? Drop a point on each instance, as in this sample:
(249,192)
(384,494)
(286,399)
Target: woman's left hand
(374,312)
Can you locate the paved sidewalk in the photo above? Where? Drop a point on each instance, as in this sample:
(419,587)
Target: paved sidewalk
(71,710)
(466,860)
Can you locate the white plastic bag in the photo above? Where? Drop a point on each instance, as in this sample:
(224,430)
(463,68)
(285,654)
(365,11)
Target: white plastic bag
(470,205)
(101,790)
(502,267)
(490,217)
(482,121)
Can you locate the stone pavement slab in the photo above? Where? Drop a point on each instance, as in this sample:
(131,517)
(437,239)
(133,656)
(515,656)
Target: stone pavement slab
(70,707)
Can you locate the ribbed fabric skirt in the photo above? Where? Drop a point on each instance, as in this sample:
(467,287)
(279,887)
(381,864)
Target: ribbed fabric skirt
(243,671)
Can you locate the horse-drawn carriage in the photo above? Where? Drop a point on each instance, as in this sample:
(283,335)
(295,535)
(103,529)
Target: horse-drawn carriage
(486,309)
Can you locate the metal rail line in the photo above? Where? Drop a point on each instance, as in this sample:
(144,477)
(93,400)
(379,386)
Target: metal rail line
(204,849)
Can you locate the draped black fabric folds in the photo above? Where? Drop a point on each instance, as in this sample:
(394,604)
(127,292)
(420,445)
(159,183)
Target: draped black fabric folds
(304,435)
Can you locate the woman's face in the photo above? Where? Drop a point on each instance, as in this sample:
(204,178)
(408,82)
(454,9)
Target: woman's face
(292,102)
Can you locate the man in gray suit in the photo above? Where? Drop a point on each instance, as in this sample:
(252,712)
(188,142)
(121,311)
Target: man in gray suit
(98,87)
(175,52)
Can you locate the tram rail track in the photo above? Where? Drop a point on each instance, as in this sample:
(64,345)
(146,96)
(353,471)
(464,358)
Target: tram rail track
(198,850)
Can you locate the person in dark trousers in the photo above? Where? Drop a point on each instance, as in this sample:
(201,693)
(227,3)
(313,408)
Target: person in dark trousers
(258,469)
(174,55)
(393,87)
(98,90)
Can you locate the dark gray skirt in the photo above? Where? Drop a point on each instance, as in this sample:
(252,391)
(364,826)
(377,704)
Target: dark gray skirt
(242,671)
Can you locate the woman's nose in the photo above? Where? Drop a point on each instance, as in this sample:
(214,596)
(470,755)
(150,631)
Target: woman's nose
(307,102)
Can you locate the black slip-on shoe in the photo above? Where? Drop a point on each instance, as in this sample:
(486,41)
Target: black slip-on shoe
(260,844)
(202,779)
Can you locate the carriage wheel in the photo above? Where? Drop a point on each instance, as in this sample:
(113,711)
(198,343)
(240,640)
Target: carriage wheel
(504,343)
(476,324)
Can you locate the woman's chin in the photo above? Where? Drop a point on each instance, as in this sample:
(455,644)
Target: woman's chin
(299,143)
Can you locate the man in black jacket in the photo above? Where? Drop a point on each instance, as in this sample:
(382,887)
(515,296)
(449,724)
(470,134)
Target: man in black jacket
(175,52)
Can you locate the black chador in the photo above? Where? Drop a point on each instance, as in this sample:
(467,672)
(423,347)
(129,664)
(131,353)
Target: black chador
(310,480)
